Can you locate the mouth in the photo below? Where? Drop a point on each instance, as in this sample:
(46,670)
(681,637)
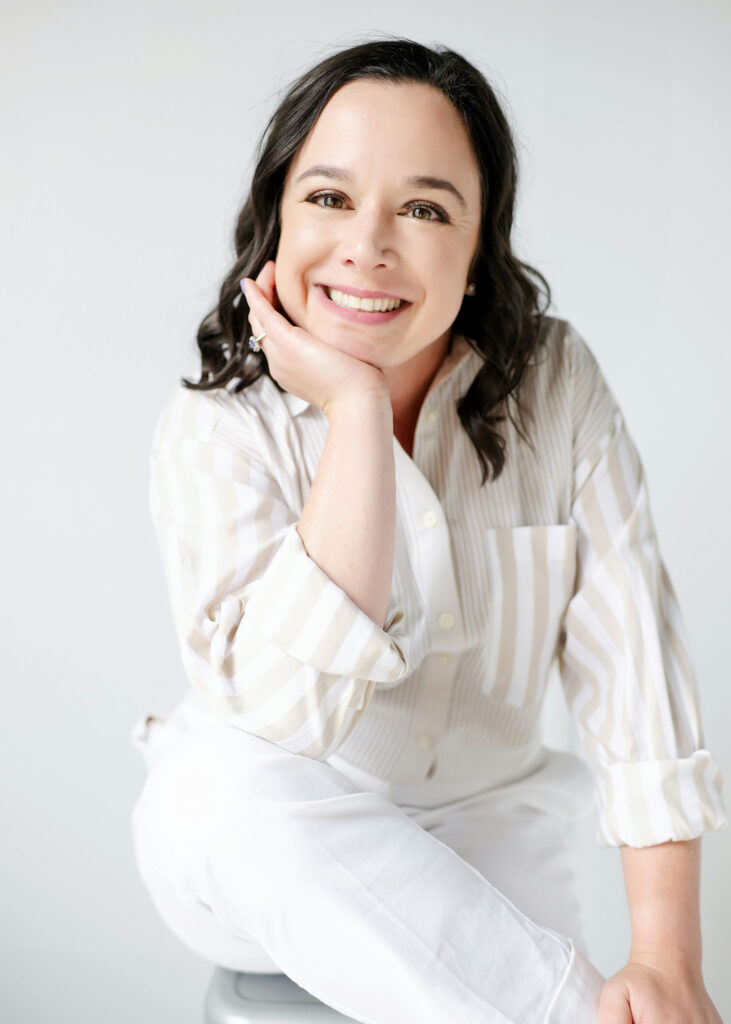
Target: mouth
(374,307)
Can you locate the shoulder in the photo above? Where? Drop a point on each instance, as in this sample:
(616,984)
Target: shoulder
(565,392)
(563,366)
(562,347)
(194,415)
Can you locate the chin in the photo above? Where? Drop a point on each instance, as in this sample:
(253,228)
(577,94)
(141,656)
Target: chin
(351,344)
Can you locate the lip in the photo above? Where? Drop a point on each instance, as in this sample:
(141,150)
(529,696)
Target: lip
(358,316)
(360,293)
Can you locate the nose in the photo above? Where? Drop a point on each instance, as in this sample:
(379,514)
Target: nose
(367,239)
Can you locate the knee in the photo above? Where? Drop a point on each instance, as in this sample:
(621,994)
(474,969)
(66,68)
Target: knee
(225,790)
(201,788)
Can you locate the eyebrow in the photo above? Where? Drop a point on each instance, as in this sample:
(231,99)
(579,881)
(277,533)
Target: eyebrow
(416,180)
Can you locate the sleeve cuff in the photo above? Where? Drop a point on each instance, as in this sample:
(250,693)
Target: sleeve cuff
(577,998)
(301,611)
(644,803)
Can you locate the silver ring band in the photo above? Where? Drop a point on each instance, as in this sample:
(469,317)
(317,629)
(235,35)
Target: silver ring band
(254,342)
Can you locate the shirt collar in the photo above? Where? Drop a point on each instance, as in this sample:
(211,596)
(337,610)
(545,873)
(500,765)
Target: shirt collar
(458,352)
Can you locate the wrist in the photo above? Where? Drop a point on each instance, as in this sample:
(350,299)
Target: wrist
(681,958)
(668,932)
(662,885)
(683,967)
(671,932)
(367,403)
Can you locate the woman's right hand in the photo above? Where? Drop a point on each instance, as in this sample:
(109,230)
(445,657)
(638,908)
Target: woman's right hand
(301,363)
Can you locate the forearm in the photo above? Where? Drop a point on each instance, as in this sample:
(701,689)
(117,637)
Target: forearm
(662,884)
(348,522)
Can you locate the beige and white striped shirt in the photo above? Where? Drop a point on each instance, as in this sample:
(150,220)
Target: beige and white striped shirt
(555,562)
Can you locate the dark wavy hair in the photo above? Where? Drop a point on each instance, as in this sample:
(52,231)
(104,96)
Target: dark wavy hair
(502,322)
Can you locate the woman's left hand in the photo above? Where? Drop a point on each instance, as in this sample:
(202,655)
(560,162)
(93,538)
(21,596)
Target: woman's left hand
(651,991)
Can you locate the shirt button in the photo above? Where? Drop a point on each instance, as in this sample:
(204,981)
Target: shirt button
(444,656)
(446,620)
(430,518)
(431,416)
(424,741)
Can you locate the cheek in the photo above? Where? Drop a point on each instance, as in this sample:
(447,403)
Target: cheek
(444,280)
(289,281)
(445,277)
(303,234)
(302,248)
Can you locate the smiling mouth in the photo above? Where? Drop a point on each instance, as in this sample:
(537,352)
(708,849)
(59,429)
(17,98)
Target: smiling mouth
(347,301)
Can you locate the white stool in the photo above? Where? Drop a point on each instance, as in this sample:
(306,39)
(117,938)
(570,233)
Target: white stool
(237,998)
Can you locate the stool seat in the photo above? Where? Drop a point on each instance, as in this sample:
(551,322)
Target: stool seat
(234,997)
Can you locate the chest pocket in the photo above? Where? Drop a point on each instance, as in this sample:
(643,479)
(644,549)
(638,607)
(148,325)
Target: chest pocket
(531,573)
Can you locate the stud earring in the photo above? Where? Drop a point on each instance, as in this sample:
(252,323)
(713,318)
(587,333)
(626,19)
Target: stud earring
(470,289)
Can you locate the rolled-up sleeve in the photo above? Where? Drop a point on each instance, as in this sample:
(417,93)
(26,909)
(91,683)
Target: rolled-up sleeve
(267,639)
(624,658)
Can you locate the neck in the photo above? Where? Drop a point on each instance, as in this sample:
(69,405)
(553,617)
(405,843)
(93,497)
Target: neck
(409,382)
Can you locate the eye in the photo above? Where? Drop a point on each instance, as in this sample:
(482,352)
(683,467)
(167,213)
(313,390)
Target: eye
(436,213)
(325,195)
(440,214)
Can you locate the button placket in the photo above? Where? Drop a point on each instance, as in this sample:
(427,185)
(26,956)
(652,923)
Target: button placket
(432,711)
(432,558)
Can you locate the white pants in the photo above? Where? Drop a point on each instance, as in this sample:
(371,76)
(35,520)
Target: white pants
(263,860)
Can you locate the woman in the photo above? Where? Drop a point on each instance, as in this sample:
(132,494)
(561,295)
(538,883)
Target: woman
(373,563)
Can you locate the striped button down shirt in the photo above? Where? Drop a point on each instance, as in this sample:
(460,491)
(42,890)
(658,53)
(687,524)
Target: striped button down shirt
(553,565)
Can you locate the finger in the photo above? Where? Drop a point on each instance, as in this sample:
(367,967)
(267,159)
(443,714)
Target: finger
(613,1008)
(265,279)
(271,322)
(255,327)
(256,333)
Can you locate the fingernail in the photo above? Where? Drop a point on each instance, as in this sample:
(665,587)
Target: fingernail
(242,283)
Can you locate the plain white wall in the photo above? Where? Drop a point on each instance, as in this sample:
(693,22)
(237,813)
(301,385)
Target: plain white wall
(130,132)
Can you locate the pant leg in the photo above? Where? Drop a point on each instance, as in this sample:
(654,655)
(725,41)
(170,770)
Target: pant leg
(347,894)
(522,851)
(526,853)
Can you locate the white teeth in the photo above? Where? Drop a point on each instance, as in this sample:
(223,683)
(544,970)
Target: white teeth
(367,305)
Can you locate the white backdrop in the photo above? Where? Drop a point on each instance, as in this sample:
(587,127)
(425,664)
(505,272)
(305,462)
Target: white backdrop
(130,132)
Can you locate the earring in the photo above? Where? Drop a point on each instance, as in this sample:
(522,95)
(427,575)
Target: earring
(470,289)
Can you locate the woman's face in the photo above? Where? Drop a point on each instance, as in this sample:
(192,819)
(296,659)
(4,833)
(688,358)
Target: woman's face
(353,217)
